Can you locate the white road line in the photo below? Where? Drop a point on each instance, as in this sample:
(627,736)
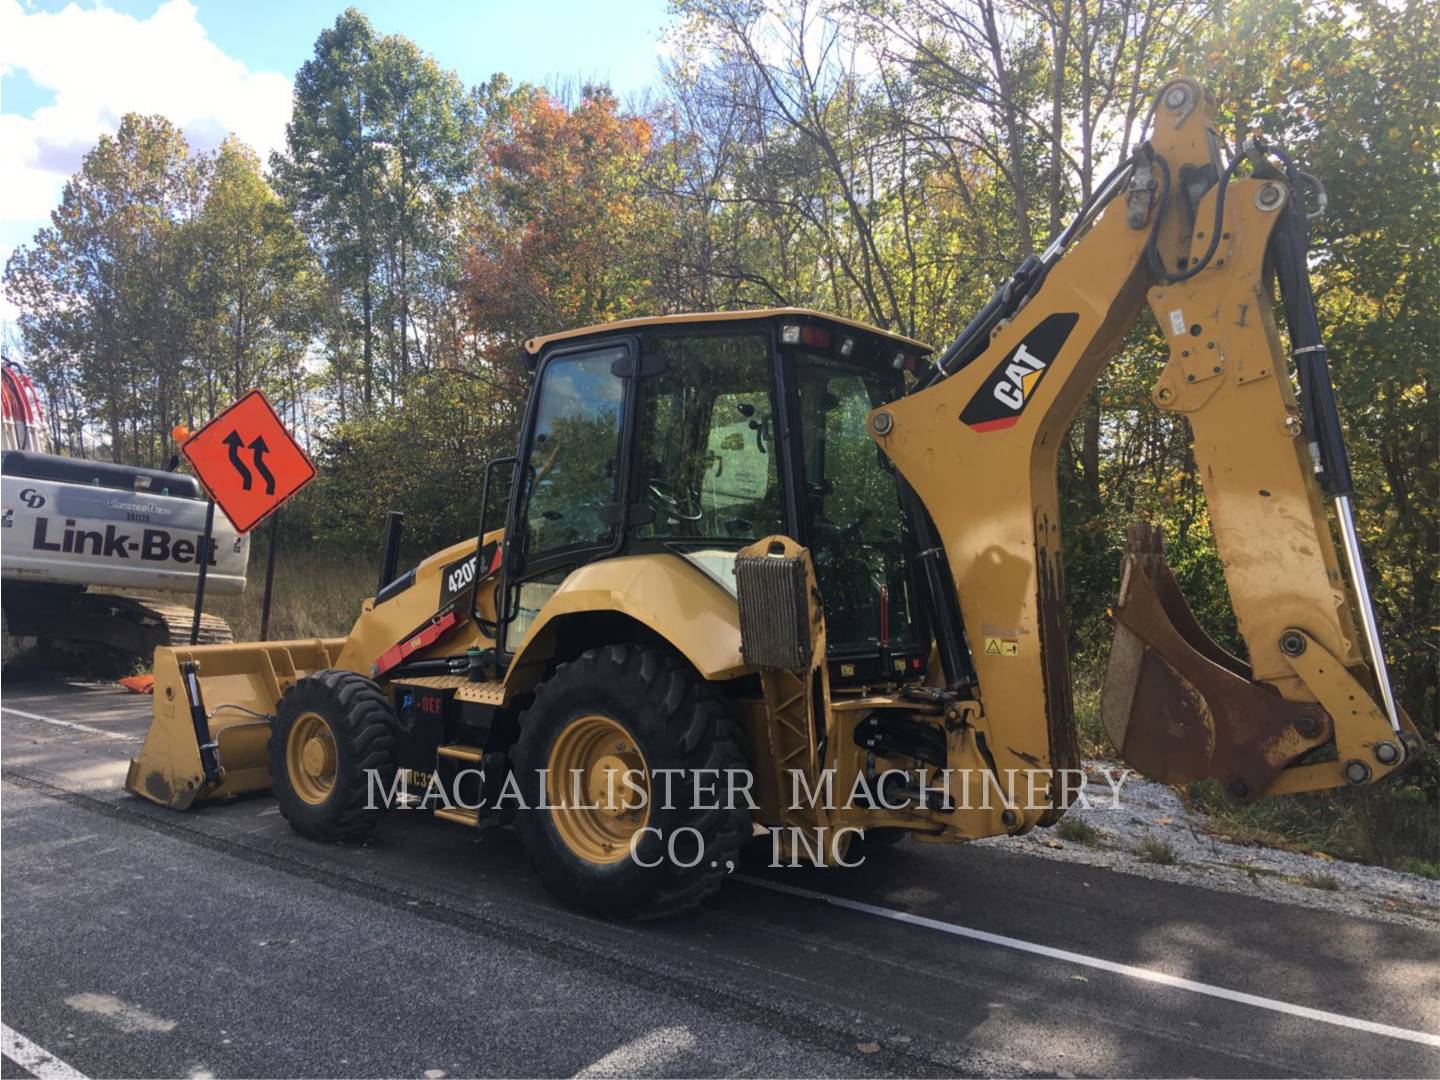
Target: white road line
(647,1054)
(34,1059)
(1144,974)
(70,724)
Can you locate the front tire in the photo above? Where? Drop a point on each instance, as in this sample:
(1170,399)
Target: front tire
(630,710)
(333,731)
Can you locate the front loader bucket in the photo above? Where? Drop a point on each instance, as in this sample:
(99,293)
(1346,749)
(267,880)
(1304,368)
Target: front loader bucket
(1178,707)
(211,724)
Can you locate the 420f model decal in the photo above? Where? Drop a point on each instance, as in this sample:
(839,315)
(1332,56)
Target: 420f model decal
(1002,396)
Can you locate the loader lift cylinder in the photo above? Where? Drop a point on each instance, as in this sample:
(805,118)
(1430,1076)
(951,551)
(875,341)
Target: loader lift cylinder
(209,751)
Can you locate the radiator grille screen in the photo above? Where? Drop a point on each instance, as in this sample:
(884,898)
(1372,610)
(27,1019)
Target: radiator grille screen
(774,611)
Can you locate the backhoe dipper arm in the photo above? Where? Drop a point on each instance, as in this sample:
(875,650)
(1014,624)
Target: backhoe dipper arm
(978,442)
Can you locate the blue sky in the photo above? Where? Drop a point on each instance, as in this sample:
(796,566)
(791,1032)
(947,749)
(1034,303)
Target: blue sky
(69,71)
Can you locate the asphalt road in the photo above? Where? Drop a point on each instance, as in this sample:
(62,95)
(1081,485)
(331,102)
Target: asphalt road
(142,942)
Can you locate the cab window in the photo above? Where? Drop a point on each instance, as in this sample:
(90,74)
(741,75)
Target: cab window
(572,468)
(852,503)
(706,453)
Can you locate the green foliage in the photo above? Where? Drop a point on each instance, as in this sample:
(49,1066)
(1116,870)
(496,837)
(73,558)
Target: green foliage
(260,288)
(426,459)
(375,163)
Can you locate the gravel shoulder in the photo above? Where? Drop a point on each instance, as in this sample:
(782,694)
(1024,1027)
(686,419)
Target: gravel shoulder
(1151,819)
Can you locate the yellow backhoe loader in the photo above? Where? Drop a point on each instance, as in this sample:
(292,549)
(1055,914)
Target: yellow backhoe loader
(790,548)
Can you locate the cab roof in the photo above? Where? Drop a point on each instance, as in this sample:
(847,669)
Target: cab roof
(534,345)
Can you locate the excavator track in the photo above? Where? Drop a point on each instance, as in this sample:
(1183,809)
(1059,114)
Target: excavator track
(176,619)
(134,625)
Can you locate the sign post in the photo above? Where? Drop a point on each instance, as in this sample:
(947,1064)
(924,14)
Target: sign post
(207,539)
(251,465)
(269,576)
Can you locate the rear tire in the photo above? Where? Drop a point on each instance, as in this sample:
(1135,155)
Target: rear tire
(332,731)
(643,708)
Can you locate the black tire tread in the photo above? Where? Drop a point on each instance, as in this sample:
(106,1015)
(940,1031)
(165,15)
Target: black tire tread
(364,723)
(707,735)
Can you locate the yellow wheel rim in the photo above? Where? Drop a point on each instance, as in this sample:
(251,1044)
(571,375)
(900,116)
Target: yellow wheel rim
(310,758)
(595,811)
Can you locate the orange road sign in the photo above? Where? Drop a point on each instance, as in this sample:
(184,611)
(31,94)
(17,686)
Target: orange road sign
(248,460)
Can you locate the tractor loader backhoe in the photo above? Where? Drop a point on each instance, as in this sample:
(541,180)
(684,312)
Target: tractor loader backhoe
(787,547)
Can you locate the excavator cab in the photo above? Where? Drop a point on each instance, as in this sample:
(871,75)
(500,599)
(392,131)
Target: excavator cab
(701,436)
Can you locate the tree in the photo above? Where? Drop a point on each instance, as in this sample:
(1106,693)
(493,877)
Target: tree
(427,140)
(329,174)
(106,294)
(559,226)
(375,156)
(258,283)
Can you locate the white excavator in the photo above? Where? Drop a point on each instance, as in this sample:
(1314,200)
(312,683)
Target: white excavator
(73,530)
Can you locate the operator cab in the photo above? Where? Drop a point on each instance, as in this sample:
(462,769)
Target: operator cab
(699,435)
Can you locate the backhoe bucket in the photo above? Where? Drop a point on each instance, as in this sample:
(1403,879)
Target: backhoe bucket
(1178,707)
(213,704)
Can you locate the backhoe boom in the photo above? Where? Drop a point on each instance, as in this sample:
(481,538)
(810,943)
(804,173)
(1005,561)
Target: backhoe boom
(978,443)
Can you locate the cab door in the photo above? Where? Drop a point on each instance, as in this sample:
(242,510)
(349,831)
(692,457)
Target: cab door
(567,503)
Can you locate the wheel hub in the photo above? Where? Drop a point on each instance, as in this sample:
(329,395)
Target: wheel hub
(598,788)
(318,757)
(310,758)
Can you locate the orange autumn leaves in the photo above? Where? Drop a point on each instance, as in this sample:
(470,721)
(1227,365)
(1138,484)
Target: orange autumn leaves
(560,222)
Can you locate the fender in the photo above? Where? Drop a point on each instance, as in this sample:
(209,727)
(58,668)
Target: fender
(664,592)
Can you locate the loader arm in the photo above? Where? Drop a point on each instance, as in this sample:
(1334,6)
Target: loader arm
(978,440)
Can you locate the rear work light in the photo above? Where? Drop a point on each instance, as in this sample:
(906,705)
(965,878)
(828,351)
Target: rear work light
(814,336)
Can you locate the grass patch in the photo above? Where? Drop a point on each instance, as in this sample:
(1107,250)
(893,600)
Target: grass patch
(1154,850)
(1393,823)
(1079,831)
(314,596)
(1426,868)
(1089,728)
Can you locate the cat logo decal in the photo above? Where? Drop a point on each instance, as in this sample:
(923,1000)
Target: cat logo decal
(1002,396)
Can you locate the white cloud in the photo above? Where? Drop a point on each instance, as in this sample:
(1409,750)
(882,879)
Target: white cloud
(101,64)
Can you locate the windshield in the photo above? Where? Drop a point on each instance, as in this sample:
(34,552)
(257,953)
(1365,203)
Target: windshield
(852,502)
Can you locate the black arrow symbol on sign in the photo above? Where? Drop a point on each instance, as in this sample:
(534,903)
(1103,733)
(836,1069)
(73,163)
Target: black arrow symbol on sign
(258,445)
(234,442)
